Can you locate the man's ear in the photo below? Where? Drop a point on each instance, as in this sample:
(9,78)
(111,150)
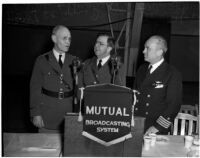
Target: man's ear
(109,49)
(53,37)
(160,52)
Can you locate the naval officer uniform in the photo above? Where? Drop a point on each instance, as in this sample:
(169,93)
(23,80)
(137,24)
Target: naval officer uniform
(159,95)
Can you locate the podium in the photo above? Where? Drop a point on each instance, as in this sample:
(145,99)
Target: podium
(106,128)
(76,145)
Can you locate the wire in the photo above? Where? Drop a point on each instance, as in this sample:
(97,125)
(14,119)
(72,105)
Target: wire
(99,25)
(74,27)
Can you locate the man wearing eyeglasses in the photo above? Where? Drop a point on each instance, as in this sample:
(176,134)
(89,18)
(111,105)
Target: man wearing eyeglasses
(99,69)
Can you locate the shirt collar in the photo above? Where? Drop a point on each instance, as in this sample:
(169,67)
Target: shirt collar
(155,66)
(104,60)
(56,54)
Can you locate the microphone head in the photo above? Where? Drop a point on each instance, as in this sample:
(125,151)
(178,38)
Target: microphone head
(76,62)
(115,60)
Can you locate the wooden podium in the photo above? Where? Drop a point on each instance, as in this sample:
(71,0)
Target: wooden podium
(76,145)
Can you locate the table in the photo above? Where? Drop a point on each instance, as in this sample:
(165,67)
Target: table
(31,144)
(38,144)
(173,148)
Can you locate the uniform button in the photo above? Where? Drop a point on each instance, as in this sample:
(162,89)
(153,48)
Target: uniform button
(136,109)
(148,95)
(95,82)
(168,118)
(61,89)
(96,76)
(49,73)
(66,86)
(61,82)
(147,104)
(137,100)
(146,113)
(61,75)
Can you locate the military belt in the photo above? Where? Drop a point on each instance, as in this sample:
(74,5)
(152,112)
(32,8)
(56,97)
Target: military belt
(59,95)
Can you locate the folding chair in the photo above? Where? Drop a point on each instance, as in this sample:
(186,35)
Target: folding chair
(193,110)
(189,109)
(191,126)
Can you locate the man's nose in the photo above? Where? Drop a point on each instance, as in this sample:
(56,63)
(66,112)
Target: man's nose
(97,44)
(145,50)
(68,41)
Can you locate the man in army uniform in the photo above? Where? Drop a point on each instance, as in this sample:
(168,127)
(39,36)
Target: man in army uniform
(51,85)
(98,70)
(159,88)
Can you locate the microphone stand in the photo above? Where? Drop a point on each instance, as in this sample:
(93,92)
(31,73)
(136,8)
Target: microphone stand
(114,74)
(115,67)
(76,64)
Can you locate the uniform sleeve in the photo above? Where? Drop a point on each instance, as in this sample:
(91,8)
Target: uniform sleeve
(121,76)
(35,89)
(173,102)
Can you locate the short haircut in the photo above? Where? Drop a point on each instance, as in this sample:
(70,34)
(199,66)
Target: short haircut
(161,42)
(56,28)
(110,40)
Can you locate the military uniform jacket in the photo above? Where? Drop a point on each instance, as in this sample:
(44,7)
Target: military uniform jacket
(90,74)
(160,95)
(51,109)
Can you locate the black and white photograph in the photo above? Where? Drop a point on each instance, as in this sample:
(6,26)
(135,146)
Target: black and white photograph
(100,79)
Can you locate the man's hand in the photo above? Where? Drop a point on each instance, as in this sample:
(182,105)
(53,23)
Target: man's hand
(38,121)
(151,129)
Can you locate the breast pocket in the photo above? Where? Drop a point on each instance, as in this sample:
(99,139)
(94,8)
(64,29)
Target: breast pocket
(50,79)
(159,92)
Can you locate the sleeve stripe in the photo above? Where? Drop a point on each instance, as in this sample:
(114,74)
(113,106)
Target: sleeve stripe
(163,124)
(162,119)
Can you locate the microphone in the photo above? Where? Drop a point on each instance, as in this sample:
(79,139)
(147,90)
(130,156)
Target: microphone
(115,61)
(76,63)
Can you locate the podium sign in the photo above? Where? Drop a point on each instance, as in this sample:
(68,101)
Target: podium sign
(107,113)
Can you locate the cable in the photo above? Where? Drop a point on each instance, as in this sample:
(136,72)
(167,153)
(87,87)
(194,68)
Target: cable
(74,27)
(99,25)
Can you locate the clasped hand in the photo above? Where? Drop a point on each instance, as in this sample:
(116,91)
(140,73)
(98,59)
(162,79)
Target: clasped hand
(151,130)
(38,121)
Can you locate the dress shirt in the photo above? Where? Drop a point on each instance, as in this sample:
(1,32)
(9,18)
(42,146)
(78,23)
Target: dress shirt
(56,54)
(155,66)
(104,60)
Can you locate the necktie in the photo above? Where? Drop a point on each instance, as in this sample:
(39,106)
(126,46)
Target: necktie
(60,61)
(99,64)
(149,69)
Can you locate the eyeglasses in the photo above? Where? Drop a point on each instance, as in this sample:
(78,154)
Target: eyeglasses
(100,43)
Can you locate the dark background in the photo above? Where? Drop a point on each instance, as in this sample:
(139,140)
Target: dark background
(26,34)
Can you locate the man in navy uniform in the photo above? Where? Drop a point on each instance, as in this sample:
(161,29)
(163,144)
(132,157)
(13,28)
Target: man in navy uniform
(98,70)
(51,86)
(159,88)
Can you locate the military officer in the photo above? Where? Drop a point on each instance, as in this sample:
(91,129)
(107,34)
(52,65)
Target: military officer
(98,70)
(51,85)
(159,88)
